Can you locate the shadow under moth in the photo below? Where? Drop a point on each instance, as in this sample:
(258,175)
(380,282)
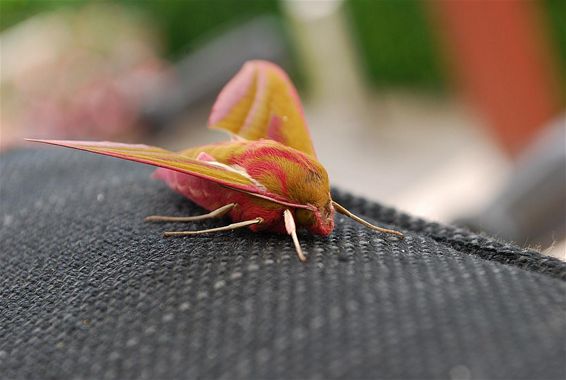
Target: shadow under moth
(266,177)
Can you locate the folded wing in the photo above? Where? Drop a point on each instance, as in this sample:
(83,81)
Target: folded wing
(261,102)
(218,173)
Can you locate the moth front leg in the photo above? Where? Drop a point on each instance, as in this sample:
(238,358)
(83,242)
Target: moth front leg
(292,230)
(218,213)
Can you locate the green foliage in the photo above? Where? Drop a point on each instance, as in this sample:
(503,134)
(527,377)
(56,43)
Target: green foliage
(555,12)
(184,23)
(396,43)
(394,36)
(14,11)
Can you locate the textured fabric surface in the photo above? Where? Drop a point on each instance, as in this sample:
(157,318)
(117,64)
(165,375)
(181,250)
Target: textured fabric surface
(88,290)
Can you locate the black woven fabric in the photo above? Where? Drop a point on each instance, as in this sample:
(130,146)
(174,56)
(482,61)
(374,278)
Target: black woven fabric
(88,290)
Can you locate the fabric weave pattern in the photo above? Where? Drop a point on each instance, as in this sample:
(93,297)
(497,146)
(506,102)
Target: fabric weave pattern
(90,291)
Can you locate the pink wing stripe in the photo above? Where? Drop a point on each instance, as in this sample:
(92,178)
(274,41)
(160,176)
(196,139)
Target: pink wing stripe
(258,103)
(231,94)
(166,159)
(160,161)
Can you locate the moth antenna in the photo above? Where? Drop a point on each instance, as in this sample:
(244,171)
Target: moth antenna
(229,227)
(342,210)
(292,230)
(218,213)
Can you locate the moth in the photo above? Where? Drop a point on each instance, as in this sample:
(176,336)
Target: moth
(266,177)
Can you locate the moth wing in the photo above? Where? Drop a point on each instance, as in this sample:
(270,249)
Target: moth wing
(216,172)
(261,102)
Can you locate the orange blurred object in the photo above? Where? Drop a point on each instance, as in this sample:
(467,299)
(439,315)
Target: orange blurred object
(505,67)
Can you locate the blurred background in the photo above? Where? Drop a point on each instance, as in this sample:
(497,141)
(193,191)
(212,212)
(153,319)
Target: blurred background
(448,110)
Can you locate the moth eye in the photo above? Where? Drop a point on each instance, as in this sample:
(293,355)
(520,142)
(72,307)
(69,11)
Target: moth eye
(305,217)
(327,211)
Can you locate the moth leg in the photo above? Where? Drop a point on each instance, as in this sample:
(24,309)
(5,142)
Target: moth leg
(229,227)
(218,213)
(292,230)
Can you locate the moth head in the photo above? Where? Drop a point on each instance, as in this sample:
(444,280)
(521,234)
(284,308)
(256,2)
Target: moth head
(317,219)
(320,220)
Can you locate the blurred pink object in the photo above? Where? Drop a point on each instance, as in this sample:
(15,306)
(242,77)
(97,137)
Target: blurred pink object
(77,74)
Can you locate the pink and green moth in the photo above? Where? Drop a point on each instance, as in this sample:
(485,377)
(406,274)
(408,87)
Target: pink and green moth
(266,177)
